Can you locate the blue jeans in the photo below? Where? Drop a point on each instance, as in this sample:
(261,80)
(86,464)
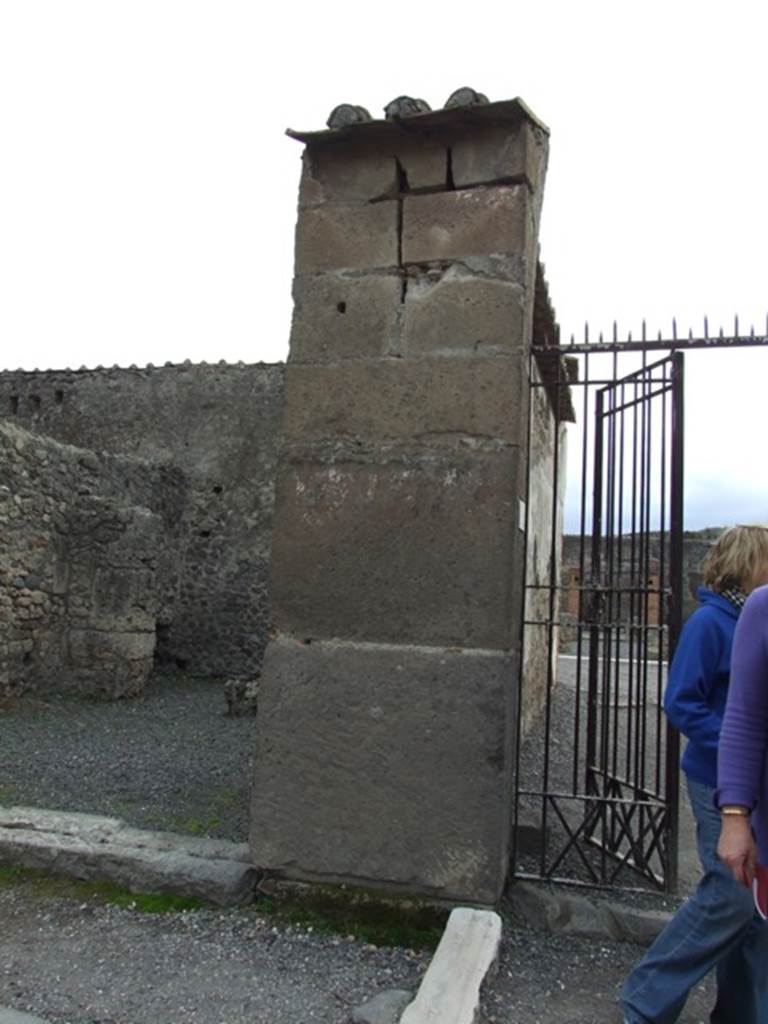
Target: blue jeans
(717,927)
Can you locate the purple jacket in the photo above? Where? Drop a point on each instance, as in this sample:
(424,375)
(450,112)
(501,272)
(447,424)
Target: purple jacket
(742,768)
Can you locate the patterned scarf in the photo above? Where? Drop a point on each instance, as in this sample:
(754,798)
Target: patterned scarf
(735,596)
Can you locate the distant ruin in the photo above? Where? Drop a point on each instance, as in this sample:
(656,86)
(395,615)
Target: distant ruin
(576,584)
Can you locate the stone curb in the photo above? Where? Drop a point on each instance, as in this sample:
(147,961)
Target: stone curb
(91,847)
(570,914)
(450,990)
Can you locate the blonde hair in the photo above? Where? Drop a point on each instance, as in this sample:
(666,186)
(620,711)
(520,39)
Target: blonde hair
(736,558)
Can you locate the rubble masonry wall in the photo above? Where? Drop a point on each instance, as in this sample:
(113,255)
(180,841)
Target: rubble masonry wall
(219,426)
(86,541)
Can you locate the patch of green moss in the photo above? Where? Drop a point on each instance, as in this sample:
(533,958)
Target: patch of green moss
(229,796)
(208,819)
(201,825)
(368,916)
(45,885)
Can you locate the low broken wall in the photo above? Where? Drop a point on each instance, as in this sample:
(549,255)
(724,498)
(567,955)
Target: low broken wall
(219,425)
(83,564)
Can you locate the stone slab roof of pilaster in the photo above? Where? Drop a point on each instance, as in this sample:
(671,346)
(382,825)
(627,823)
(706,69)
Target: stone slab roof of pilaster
(502,112)
(555,370)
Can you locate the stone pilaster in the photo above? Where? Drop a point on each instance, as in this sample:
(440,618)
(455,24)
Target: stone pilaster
(386,715)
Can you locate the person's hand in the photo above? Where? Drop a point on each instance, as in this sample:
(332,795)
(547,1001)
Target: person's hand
(737,848)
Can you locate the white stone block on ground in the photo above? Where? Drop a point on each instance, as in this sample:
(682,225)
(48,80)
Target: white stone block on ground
(14,1017)
(450,990)
(383,1008)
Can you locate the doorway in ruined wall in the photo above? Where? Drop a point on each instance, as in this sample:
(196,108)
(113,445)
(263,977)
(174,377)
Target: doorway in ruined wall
(596,787)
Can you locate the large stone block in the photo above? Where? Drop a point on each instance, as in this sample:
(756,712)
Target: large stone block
(346,172)
(402,773)
(347,237)
(423,162)
(437,401)
(415,549)
(457,311)
(359,172)
(469,222)
(340,316)
(499,153)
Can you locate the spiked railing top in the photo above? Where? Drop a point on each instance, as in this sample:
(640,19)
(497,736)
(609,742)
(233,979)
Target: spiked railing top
(675,340)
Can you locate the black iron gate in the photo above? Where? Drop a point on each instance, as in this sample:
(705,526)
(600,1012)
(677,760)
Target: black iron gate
(597,767)
(631,613)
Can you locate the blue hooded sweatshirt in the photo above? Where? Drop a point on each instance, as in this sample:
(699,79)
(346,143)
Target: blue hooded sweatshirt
(698,682)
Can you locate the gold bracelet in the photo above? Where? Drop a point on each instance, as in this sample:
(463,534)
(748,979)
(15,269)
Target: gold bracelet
(735,812)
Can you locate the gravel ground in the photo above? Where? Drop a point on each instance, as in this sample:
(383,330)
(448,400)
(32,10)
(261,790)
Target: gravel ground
(176,760)
(562,979)
(84,963)
(172,760)
(73,962)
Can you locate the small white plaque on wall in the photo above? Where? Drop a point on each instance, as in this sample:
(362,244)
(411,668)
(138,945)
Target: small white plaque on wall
(521,514)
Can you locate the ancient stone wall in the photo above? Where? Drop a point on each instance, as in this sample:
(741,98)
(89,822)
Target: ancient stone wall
(87,546)
(219,426)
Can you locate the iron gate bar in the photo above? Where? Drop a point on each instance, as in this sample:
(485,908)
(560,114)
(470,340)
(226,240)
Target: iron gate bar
(591,812)
(582,555)
(644,567)
(650,801)
(675,609)
(553,553)
(639,852)
(661,597)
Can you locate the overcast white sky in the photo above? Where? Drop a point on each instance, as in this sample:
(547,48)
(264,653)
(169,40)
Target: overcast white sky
(147,191)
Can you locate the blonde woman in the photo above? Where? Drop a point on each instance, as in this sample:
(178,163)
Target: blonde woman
(717,927)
